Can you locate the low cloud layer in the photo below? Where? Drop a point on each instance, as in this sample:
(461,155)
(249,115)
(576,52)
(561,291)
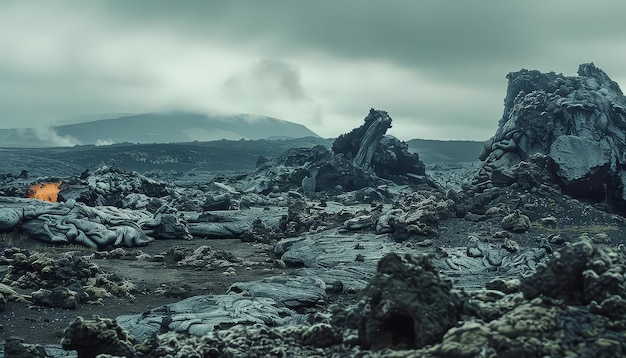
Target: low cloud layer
(438,68)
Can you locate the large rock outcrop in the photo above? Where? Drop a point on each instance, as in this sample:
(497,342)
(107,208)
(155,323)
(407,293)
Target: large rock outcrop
(359,159)
(575,126)
(370,149)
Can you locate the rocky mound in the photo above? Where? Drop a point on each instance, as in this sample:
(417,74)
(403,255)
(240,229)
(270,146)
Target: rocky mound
(573,130)
(66,282)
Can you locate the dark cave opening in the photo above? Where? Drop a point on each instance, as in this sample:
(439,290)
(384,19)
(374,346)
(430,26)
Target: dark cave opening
(398,331)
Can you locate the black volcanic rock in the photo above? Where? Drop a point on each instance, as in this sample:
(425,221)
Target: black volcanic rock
(111,186)
(575,125)
(100,336)
(359,159)
(580,274)
(407,304)
(361,143)
(368,148)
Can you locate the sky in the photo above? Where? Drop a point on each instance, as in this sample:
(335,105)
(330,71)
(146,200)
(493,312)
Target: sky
(437,67)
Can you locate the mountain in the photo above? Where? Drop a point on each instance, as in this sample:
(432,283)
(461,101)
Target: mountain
(168,127)
(432,151)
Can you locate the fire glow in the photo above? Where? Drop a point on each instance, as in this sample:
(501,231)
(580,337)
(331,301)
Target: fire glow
(44,191)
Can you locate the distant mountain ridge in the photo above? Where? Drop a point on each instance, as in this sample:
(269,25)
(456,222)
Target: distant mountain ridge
(185,127)
(170,127)
(435,151)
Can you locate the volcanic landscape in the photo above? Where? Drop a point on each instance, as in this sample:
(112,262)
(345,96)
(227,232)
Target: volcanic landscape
(358,246)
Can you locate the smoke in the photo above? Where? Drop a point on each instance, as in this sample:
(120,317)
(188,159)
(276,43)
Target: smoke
(49,135)
(104,142)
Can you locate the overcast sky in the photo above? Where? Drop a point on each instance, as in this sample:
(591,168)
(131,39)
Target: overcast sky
(438,67)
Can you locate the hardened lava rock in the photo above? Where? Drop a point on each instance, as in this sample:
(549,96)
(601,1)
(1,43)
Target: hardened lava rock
(101,336)
(560,130)
(407,304)
(582,274)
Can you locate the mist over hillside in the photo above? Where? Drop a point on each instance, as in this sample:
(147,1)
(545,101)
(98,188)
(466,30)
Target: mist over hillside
(432,151)
(170,127)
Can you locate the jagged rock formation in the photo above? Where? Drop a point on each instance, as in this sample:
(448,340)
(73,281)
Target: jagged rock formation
(572,127)
(112,186)
(369,149)
(361,143)
(358,159)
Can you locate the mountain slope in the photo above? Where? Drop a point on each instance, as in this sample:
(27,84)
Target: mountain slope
(168,127)
(182,127)
(431,151)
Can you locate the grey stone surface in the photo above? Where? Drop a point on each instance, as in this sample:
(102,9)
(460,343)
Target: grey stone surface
(72,222)
(343,261)
(578,157)
(9,219)
(218,230)
(292,291)
(331,249)
(479,262)
(199,315)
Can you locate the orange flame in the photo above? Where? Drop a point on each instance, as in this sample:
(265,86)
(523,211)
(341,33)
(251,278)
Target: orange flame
(44,191)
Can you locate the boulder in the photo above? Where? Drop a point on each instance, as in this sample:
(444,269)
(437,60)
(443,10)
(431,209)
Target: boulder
(407,304)
(91,338)
(581,274)
(15,347)
(516,222)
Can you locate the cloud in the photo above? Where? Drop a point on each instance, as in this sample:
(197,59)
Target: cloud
(267,79)
(270,87)
(440,36)
(439,68)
